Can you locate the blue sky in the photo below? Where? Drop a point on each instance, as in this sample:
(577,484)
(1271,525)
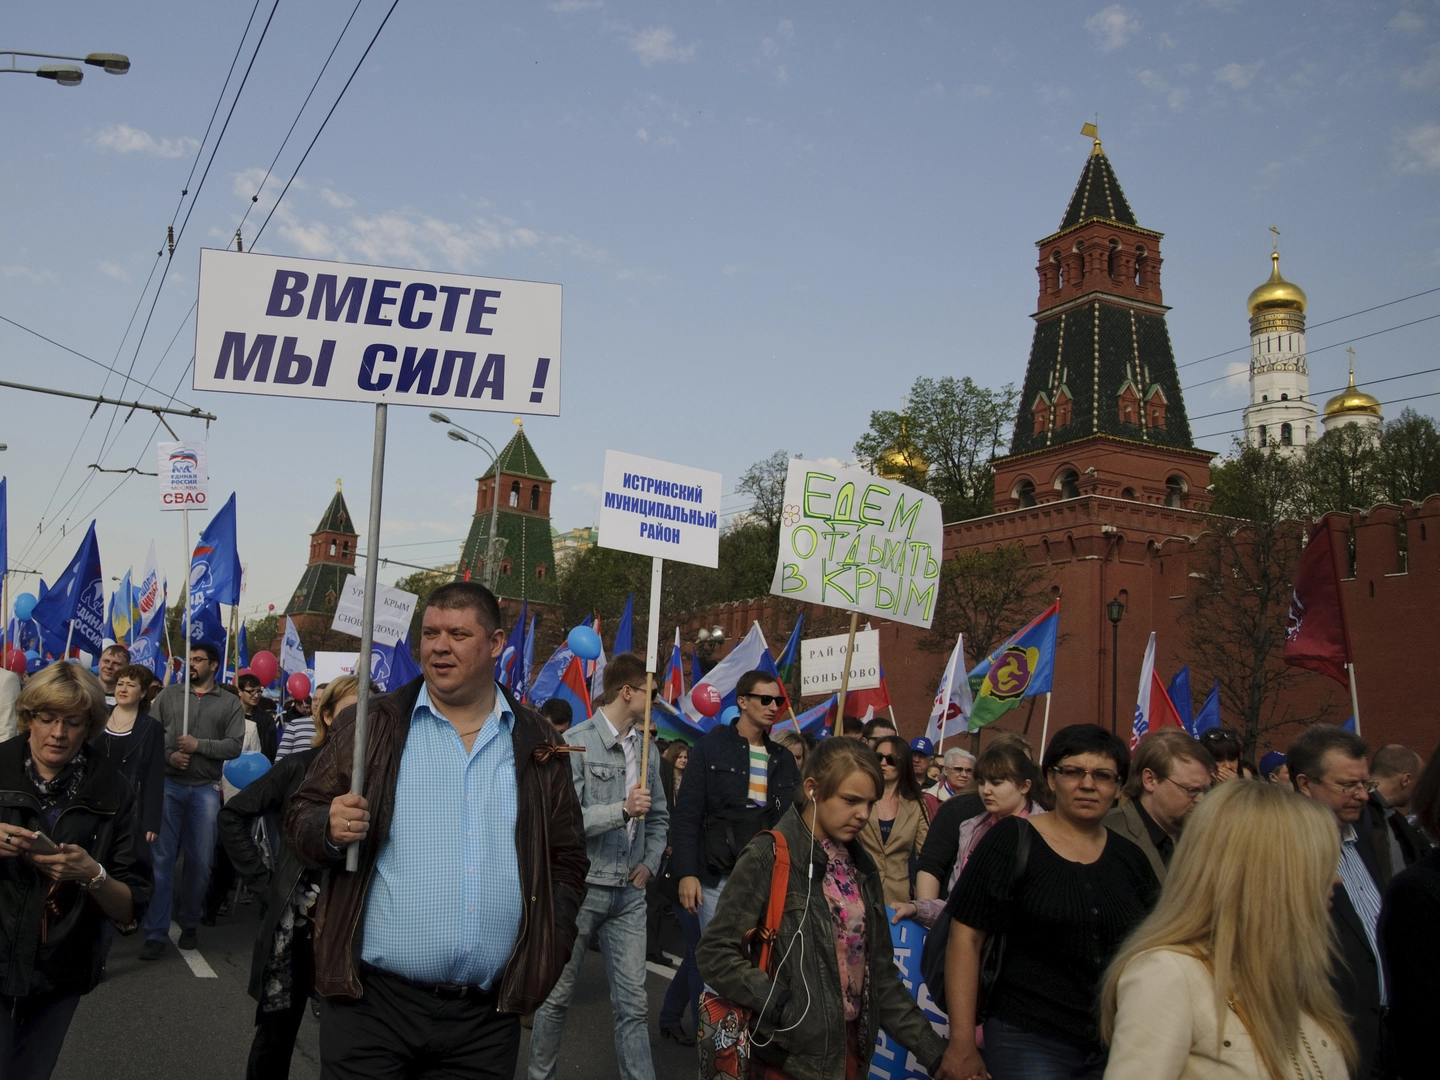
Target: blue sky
(768,219)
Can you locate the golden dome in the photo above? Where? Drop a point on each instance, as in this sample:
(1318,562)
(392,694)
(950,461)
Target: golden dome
(1351,400)
(902,459)
(1277,294)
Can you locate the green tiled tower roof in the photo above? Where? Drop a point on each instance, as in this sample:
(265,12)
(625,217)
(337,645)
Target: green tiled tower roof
(527,547)
(320,585)
(518,458)
(337,518)
(319,589)
(1098,195)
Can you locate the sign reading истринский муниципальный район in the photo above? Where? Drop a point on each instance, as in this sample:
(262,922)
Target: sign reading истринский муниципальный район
(849,539)
(270,324)
(660,509)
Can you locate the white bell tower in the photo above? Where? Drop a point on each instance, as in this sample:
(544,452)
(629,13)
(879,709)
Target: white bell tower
(1280,413)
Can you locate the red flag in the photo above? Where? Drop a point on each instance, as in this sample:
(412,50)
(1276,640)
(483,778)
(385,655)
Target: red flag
(857,701)
(1317,636)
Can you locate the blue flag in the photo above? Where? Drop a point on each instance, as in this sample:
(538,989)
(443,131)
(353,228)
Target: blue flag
(75,607)
(1179,691)
(507,667)
(215,566)
(146,648)
(206,626)
(548,678)
(243,650)
(403,668)
(625,632)
(1209,715)
(524,665)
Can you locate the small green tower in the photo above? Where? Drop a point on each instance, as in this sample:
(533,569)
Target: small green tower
(527,563)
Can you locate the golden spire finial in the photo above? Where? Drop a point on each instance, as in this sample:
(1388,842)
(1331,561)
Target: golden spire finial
(520,423)
(338,486)
(1351,351)
(1092,131)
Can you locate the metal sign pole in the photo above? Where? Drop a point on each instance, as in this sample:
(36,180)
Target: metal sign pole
(845,677)
(367,629)
(185,661)
(657,569)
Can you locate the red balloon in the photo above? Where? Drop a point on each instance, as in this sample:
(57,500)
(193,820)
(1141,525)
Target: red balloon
(265,667)
(706,699)
(298,685)
(15,660)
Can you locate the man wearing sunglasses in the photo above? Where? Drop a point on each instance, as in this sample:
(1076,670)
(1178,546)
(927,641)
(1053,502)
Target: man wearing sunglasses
(1328,764)
(1169,775)
(738,782)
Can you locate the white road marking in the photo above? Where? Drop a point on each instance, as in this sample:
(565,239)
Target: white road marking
(199,967)
(665,971)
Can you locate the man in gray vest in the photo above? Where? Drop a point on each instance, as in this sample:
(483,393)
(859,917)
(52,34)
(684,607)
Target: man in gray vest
(1169,774)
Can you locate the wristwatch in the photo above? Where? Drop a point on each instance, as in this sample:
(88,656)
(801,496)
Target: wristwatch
(98,881)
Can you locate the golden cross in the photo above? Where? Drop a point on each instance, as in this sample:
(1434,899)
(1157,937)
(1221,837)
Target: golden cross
(1276,231)
(1351,351)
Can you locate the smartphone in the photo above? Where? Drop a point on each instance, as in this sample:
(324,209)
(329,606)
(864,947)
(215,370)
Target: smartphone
(43,845)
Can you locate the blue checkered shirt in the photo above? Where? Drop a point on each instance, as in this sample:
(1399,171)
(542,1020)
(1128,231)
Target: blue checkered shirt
(444,905)
(1364,895)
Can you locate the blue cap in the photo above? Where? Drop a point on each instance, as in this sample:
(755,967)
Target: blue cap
(922,745)
(1270,762)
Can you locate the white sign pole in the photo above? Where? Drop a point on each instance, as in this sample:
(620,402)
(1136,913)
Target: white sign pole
(657,569)
(367,629)
(189,569)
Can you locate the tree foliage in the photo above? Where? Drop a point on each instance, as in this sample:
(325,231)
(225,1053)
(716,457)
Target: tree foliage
(954,427)
(987,596)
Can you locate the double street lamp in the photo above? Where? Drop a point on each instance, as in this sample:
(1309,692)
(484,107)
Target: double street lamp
(67,74)
(495,547)
(1114,611)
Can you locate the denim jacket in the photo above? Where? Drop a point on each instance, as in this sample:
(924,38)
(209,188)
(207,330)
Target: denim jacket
(599,776)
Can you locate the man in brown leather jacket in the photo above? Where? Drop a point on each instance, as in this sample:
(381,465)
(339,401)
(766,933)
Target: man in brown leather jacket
(472,863)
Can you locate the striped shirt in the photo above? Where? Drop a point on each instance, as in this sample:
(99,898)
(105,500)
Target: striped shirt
(444,905)
(1364,895)
(299,735)
(759,774)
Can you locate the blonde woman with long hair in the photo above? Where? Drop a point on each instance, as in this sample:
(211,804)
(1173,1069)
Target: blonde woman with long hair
(1230,975)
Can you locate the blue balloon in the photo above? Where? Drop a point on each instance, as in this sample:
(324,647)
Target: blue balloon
(728,715)
(584,643)
(31,654)
(246,768)
(25,606)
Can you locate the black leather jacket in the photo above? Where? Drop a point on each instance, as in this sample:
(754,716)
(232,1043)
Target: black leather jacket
(104,819)
(716,786)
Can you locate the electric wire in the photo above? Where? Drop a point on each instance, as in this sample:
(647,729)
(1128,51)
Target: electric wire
(285,141)
(321,130)
(1392,401)
(1323,393)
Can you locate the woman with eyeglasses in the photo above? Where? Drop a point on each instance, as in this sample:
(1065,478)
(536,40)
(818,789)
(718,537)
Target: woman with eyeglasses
(1224,747)
(1080,892)
(897,829)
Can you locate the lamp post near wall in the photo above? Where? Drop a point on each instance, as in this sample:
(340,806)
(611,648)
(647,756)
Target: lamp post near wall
(494,547)
(1115,611)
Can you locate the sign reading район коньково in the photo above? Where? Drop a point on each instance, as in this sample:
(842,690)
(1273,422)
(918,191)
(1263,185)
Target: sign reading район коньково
(853,540)
(303,328)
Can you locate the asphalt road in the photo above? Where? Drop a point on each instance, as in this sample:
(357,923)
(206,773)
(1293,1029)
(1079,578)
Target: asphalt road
(158,1020)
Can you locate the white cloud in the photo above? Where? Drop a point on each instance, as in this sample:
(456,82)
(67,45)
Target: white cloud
(934,90)
(1420,149)
(642,135)
(1112,27)
(1175,96)
(336,199)
(1047,94)
(1237,76)
(658,45)
(567,7)
(977,91)
(114,270)
(14,272)
(1424,73)
(1407,21)
(124,139)
(588,488)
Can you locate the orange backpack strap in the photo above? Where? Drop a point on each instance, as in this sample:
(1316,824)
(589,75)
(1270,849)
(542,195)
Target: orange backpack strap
(779,886)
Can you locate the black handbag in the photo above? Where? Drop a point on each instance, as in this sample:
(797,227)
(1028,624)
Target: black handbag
(992,955)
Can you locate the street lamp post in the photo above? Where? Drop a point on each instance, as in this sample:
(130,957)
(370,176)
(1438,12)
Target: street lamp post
(494,547)
(65,74)
(1115,611)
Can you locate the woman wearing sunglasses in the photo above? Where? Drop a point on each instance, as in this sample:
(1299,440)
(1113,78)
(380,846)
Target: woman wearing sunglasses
(1080,893)
(897,829)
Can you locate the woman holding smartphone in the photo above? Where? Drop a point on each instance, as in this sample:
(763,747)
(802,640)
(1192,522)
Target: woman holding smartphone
(57,795)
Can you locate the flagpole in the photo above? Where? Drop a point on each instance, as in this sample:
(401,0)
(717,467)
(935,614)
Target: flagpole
(1354,697)
(367,625)
(185,661)
(652,646)
(845,676)
(1045,726)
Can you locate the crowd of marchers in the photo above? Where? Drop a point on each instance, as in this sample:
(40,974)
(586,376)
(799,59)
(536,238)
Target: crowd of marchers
(1166,913)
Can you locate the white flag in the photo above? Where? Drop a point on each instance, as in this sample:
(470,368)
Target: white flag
(292,656)
(1142,701)
(149,594)
(953,703)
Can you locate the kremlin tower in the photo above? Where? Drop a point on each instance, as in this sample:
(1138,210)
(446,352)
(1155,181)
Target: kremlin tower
(1280,412)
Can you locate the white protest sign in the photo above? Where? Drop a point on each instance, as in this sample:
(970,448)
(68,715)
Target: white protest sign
(393,608)
(852,540)
(329,666)
(822,663)
(660,509)
(184,475)
(271,324)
